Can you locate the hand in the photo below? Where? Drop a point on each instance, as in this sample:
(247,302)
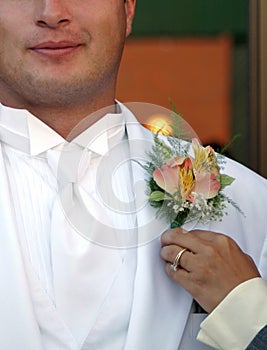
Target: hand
(212,266)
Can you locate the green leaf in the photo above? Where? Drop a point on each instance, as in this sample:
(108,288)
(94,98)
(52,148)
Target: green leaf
(226,180)
(153,185)
(158,196)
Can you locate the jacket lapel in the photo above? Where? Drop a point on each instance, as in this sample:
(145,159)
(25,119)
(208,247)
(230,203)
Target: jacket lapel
(160,307)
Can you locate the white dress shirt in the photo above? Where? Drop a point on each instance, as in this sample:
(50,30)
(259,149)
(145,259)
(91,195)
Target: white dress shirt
(67,266)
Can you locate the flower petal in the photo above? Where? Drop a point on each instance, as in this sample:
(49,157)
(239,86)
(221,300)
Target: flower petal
(208,185)
(175,161)
(187,180)
(167,178)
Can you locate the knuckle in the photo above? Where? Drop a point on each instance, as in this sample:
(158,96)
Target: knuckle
(222,244)
(167,237)
(222,239)
(210,251)
(164,238)
(225,241)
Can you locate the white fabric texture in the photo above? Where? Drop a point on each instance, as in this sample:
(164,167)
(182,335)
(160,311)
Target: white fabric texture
(238,318)
(63,291)
(59,260)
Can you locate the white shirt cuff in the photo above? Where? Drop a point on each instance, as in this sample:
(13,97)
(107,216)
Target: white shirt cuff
(238,318)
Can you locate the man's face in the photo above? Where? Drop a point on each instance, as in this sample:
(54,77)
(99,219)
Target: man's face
(54,51)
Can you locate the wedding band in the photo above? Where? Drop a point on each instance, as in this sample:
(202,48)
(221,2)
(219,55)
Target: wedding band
(177,259)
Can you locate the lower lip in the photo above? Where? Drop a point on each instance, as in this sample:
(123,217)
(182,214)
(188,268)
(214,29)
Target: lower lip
(57,52)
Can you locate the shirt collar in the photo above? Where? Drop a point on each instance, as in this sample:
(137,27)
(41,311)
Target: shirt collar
(103,134)
(22,130)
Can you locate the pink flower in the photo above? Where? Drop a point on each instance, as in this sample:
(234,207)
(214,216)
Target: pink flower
(167,178)
(191,176)
(176,175)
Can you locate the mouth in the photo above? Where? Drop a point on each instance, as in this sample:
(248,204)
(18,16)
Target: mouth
(56,49)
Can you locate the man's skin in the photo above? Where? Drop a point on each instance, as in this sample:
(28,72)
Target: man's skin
(59,59)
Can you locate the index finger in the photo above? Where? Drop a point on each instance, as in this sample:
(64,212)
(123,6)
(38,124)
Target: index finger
(194,240)
(183,239)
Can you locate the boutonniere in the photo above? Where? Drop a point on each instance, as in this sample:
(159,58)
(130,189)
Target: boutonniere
(185,182)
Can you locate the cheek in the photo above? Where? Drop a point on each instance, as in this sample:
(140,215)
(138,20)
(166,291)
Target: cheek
(6,49)
(106,22)
(11,52)
(106,39)
(9,46)
(11,26)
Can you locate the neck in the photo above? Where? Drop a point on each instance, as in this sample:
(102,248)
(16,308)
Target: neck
(64,120)
(73,120)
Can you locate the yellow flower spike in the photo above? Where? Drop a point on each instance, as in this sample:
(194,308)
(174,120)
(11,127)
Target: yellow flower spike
(206,170)
(187,179)
(205,158)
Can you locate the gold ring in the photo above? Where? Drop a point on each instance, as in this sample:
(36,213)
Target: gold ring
(177,259)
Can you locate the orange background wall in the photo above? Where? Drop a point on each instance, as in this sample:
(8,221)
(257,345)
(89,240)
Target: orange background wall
(194,73)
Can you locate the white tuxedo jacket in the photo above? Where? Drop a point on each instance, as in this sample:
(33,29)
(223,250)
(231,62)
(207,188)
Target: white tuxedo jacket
(160,309)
